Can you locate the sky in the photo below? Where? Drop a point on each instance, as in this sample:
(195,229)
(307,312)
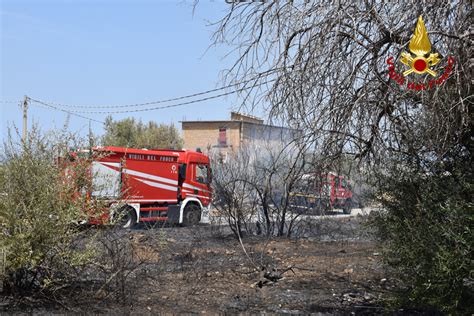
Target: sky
(109,52)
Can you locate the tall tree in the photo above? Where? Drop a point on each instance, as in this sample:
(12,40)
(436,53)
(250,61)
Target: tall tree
(323,68)
(131,133)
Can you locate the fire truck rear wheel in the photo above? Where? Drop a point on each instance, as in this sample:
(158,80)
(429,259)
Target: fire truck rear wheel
(191,215)
(127,217)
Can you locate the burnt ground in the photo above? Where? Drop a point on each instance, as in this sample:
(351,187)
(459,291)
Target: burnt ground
(332,269)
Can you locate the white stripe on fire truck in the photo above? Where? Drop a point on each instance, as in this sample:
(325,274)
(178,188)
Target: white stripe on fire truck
(156,178)
(201,196)
(140,200)
(194,187)
(158,185)
(112,164)
(149,176)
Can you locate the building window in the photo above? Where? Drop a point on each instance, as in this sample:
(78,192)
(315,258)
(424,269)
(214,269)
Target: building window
(222,140)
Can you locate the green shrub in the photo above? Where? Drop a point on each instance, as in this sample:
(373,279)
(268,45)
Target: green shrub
(427,230)
(38,217)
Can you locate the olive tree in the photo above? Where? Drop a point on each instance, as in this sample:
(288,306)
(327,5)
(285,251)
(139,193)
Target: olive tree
(131,133)
(322,67)
(39,213)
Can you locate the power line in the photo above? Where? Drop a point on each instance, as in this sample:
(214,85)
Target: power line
(69,112)
(17,102)
(264,74)
(158,107)
(57,106)
(51,106)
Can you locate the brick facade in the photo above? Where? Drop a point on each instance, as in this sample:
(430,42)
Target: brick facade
(205,135)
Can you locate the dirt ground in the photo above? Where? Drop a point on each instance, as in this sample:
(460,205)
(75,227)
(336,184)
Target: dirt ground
(333,269)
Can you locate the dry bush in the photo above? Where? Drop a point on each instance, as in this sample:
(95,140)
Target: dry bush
(255,185)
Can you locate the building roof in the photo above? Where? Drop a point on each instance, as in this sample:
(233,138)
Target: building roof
(245,122)
(236,117)
(223,121)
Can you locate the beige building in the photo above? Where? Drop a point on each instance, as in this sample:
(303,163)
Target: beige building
(228,136)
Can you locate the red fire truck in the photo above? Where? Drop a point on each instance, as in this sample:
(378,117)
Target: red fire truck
(140,185)
(323,193)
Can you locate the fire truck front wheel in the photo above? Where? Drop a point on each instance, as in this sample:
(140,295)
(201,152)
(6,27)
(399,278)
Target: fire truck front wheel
(347,208)
(191,214)
(126,217)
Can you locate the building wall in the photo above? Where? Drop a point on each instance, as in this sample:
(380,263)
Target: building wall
(266,134)
(206,135)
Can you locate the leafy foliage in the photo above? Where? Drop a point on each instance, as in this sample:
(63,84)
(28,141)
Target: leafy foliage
(131,133)
(38,216)
(427,230)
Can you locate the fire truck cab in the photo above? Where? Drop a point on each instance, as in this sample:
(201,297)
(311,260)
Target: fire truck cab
(140,185)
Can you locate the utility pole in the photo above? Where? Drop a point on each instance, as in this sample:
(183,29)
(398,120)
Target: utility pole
(91,140)
(25,119)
